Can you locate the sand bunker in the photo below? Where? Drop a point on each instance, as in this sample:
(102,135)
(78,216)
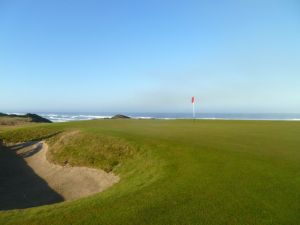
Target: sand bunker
(70,182)
(66,182)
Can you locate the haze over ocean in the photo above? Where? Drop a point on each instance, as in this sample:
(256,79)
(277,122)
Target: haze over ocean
(150,56)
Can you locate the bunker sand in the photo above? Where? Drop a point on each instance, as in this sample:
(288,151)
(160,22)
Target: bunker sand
(70,182)
(65,182)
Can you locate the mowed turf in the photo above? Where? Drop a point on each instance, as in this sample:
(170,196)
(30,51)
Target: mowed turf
(177,172)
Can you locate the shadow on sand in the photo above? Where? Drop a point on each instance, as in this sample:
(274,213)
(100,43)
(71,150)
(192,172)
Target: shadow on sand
(20,187)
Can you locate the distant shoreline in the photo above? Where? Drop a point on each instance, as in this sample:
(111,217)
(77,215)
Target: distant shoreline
(65,117)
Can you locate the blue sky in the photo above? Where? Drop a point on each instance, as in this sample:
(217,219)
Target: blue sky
(150,56)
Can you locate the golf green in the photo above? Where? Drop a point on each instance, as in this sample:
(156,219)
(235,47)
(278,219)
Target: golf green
(174,172)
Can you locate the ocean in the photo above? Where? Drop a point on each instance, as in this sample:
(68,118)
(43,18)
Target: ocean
(64,117)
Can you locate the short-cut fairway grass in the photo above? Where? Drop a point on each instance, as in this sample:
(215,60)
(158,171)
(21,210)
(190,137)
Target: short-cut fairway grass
(178,172)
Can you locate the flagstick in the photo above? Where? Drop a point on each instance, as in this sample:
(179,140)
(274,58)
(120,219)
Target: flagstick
(194,111)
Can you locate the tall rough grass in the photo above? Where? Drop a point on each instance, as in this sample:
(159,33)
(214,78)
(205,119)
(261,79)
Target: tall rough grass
(99,151)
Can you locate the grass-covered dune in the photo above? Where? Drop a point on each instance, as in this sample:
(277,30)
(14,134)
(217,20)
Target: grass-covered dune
(13,119)
(174,172)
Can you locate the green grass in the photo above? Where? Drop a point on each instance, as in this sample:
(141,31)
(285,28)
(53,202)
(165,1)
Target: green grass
(86,149)
(175,172)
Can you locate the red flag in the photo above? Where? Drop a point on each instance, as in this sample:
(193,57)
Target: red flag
(193,100)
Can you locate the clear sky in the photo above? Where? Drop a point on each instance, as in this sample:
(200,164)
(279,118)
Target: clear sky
(149,56)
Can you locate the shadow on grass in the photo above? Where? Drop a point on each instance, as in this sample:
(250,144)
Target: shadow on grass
(27,153)
(20,187)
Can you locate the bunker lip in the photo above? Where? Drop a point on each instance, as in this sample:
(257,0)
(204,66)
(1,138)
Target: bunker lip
(69,182)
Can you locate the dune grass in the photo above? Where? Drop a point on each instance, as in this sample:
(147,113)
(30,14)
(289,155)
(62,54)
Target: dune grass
(86,149)
(175,172)
(9,121)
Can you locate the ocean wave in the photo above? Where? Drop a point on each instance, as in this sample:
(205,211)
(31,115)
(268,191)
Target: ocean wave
(142,117)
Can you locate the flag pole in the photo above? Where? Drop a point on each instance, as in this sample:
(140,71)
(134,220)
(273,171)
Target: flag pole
(193,104)
(194,110)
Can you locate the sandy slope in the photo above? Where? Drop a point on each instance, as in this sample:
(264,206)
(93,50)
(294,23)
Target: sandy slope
(69,182)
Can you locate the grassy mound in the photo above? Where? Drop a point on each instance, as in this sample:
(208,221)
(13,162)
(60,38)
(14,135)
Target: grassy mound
(13,120)
(75,147)
(83,149)
(175,172)
(31,133)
